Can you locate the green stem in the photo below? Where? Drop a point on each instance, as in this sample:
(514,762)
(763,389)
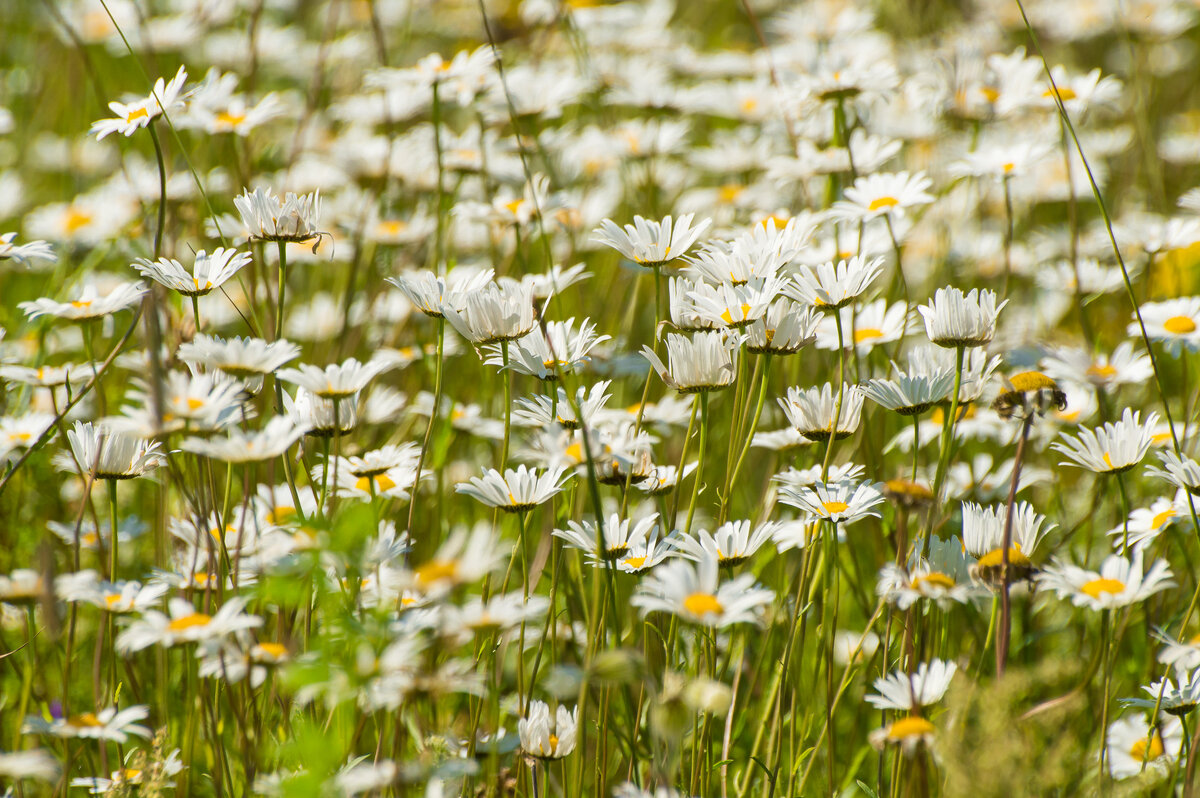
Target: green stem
(687,527)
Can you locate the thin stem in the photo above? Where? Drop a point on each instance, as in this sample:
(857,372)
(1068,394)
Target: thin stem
(282,286)
(703,399)
(1006,545)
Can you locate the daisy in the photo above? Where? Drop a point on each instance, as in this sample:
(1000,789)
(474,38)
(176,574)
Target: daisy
(139,113)
(209,271)
(431,293)
(983,539)
(542,411)
(830,287)
(20,432)
(841,502)
(618,536)
(684,313)
(251,446)
(903,587)
(107,454)
(1112,448)
(1183,655)
(185,625)
(1182,472)
(89,304)
(545,351)
(884,194)
(293,220)
(1002,160)
(1119,583)
(693,592)
(907,692)
(784,328)
(865,327)
(663,478)
(1145,524)
(37,764)
(1164,695)
(516,491)
(546,739)
(954,320)
(646,554)
(651,244)
(126,597)
(1174,322)
(732,544)
(909,395)
(705,362)
(22,586)
(1123,367)
(465,557)
(245,359)
(493,313)
(977,368)
(320,416)
(208,401)
(337,380)
(23,253)
(734,306)
(811,411)
(1133,747)
(107,724)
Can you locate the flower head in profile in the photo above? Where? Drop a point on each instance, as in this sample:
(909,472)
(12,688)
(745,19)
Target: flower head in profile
(884,194)
(833,286)
(337,380)
(650,243)
(983,539)
(186,624)
(107,724)
(23,253)
(842,502)
(430,293)
(516,490)
(618,536)
(704,362)
(1112,448)
(546,738)
(811,411)
(493,313)
(294,219)
(209,271)
(909,692)
(954,319)
(107,454)
(140,112)
(88,304)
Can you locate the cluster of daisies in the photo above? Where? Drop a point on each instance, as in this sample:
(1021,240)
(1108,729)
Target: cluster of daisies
(593,412)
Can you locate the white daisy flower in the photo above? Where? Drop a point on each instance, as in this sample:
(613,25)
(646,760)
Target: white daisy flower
(88,305)
(1119,582)
(558,345)
(693,592)
(983,539)
(1132,747)
(23,253)
(209,271)
(107,724)
(707,361)
(138,113)
(619,536)
(1167,697)
(1174,322)
(784,328)
(811,411)
(492,314)
(842,502)
(107,454)
(829,286)
(430,293)
(250,446)
(1112,448)
(185,625)
(466,557)
(337,380)
(516,490)
(882,193)
(954,319)
(544,738)
(267,219)
(650,243)
(732,544)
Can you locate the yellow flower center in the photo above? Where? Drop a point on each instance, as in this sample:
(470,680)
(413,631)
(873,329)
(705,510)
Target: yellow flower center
(81,303)
(1162,518)
(883,202)
(1064,93)
(514,206)
(553,746)
(727,317)
(635,562)
(867,334)
(909,727)
(1097,586)
(76,219)
(1105,372)
(1008,167)
(701,604)
(749,105)
(189,622)
(273,650)
(86,719)
(1138,750)
(833,508)
(207,284)
(995,557)
(990,94)
(1179,325)
(280,515)
(137,113)
(437,571)
(111,599)
(729,192)
(1108,461)
(933,579)
(382,483)
(228,119)
(390,227)
(19,436)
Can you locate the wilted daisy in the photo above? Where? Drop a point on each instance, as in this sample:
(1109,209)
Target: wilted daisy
(1132,748)
(1118,583)
(983,539)
(829,286)
(811,412)
(516,490)
(268,219)
(209,271)
(492,314)
(112,455)
(693,592)
(546,738)
(107,724)
(617,536)
(140,112)
(186,624)
(650,243)
(842,502)
(706,361)
(88,304)
(1112,448)
(954,319)
(908,692)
